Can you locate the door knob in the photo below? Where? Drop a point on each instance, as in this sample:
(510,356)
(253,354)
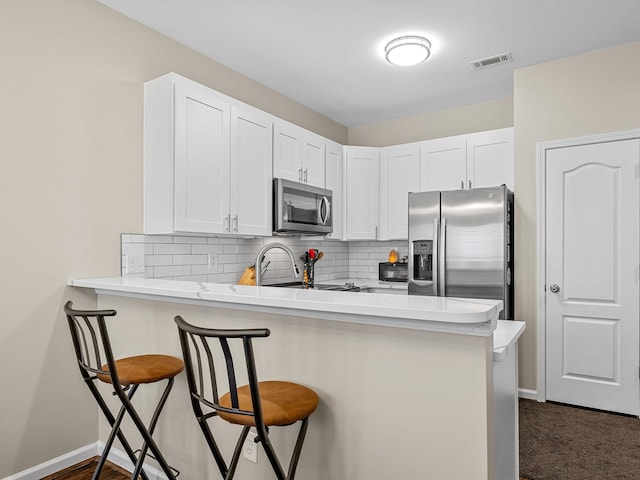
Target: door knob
(554,288)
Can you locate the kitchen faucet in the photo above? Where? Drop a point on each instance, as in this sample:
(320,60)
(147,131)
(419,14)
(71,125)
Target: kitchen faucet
(264,250)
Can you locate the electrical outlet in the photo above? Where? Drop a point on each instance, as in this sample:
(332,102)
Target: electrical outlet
(250,448)
(212,260)
(135,263)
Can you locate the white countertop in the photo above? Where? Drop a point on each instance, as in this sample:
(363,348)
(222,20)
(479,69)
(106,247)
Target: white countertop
(505,337)
(448,314)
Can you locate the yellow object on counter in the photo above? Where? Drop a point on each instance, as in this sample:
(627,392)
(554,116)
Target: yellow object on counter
(393,256)
(248,276)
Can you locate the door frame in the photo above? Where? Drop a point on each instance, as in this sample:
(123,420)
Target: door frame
(541,251)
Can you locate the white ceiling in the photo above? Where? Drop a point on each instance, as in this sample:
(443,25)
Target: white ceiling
(328,55)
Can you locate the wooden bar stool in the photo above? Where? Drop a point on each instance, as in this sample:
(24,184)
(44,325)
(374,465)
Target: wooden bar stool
(91,341)
(257,404)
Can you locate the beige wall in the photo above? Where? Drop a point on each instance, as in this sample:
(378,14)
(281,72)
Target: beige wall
(71,153)
(593,93)
(445,123)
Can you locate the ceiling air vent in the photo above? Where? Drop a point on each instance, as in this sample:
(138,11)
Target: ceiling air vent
(490,61)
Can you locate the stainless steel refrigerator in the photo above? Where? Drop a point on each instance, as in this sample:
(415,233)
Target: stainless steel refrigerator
(461,244)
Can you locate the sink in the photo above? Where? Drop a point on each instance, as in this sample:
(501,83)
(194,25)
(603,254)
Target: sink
(344,287)
(390,291)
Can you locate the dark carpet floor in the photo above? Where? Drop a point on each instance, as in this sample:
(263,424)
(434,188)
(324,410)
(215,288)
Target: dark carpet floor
(560,442)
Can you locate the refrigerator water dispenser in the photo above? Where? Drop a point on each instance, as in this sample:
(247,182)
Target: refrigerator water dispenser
(423,260)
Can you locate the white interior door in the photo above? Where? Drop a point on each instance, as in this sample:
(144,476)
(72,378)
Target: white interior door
(592,260)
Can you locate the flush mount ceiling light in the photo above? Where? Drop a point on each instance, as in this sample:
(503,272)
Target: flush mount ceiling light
(407,51)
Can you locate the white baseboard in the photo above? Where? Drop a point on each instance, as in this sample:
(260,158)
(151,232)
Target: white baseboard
(528,394)
(58,463)
(67,460)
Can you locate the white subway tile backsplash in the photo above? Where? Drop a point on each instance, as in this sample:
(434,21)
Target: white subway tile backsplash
(190,260)
(171,248)
(158,260)
(133,248)
(208,248)
(171,271)
(190,240)
(223,260)
(153,238)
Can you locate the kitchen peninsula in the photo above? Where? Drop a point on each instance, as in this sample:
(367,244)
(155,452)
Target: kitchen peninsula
(406,383)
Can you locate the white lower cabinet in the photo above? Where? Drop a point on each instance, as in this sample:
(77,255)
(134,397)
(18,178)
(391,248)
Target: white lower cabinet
(362,190)
(198,147)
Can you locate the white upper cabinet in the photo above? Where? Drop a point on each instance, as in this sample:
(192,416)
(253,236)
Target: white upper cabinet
(298,154)
(251,172)
(362,188)
(482,159)
(313,159)
(201,156)
(197,145)
(443,164)
(400,172)
(490,158)
(334,164)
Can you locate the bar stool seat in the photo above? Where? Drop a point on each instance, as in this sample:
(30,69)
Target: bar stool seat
(91,343)
(143,369)
(283,403)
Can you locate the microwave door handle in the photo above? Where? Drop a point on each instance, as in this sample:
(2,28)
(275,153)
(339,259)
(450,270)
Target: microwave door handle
(326,207)
(442,258)
(434,255)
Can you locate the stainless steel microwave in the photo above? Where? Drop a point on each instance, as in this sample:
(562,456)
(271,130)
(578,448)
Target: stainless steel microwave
(299,208)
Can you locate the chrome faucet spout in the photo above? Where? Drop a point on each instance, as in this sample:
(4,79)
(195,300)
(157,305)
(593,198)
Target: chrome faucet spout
(262,253)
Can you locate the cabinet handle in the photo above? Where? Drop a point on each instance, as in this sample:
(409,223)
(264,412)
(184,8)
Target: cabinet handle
(300,174)
(235,224)
(461,184)
(227,223)
(469,183)
(376,237)
(305,175)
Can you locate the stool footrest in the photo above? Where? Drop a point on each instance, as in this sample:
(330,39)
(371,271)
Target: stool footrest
(175,471)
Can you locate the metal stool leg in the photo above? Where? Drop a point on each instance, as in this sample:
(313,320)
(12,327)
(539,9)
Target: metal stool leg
(293,464)
(146,433)
(115,429)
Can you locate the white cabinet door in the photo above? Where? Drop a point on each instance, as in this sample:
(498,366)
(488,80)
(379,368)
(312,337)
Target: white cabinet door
(298,154)
(362,188)
(251,172)
(201,158)
(313,160)
(402,177)
(287,150)
(334,181)
(490,158)
(443,164)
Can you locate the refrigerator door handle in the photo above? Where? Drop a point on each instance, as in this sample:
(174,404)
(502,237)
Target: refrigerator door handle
(435,253)
(442,274)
